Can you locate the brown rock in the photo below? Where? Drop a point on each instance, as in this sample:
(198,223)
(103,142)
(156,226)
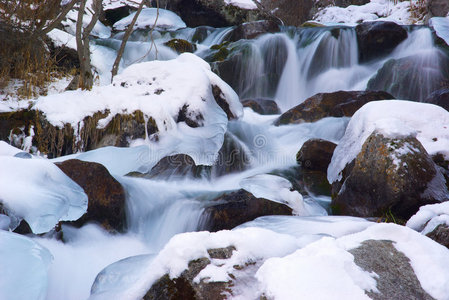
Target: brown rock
(392,176)
(315,154)
(336,104)
(235,208)
(440,235)
(252,30)
(262,106)
(105,194)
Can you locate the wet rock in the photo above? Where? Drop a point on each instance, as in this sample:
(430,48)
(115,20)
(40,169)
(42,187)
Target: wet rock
(413,77)
(315,154)
(110,16)
(440,98)
(252,30)
(396,277)
(440,235)
(221,101)
(235,208)
(336,104)
(263,106)
(232,157)
(179,165)
(181,46)
(393,176)
(185,287)
(105,194)
(437,8)
(213,13)
(376,39)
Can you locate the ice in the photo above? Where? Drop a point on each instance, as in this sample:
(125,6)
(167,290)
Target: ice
(116,280)
(82,255)
(24,265)
(441,27)
(392,118)
(429,217)
(166,20)
(279,190)
(39,192)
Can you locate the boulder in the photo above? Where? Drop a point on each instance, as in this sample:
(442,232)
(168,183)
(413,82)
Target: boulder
(393,176)
(186,287)
(413,77)
(235,208)
(376,39)
(181,46)
(440,235)
(215,13)
(263,106)
(336,104)
(106,195)
(315,154)
(179,165)
(252,30)
(112,15)
(440,98)
(437,8)
(233,157)
(395,278)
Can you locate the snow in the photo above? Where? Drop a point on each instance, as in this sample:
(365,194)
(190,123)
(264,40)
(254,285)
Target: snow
(159,89)
(429,217)
(39,192)
(441,27)
(61,38)
(69,23)
(245,4)
(392,118)
(24,266)
(166,20)
(8,150)
(321,270)
(112,4)
(375,10)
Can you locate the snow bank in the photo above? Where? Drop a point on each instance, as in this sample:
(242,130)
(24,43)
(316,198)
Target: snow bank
(166,20)
(245,4)
(393,118)
(376,10)
(39,192)
(429,217)
(160,89)
(8,150)
(326,270)
(24,266)
(441,27)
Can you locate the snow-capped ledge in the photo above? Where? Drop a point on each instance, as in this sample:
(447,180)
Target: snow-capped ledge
(160,90)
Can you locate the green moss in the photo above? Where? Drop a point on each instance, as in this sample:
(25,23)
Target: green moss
(181,46)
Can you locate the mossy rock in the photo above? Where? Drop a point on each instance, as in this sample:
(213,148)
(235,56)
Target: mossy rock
(181,46)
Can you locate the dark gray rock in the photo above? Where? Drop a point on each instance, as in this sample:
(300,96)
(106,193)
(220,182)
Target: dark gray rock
(396,280)
(315,154)
(376,39)
(252,30)
(440,98)
(437,8)
(262,106)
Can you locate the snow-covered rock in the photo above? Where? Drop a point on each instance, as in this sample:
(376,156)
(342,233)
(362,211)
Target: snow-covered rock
(429,217)
(441,27)
(393,118)
(166,20)
(27,263)
(38,192)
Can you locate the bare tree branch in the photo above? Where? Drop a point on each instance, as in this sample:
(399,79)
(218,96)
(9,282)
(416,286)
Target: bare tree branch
(60,17)
(128,32)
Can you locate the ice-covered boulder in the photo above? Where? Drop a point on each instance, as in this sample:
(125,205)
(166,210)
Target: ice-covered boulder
(164,20)
(38,192)
(383,165)
(24,264)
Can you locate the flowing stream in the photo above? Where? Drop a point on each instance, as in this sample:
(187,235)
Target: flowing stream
(288,67)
